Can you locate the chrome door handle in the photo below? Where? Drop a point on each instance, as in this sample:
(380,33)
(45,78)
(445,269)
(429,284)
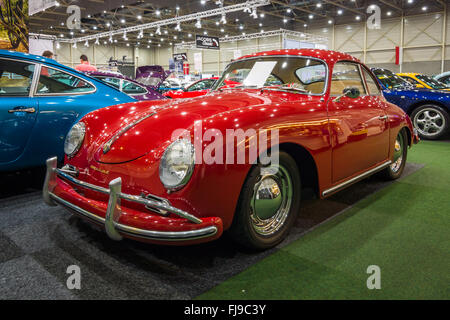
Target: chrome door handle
(27,110)
(383,117)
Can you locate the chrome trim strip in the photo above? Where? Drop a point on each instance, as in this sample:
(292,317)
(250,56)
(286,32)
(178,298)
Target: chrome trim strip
(136,199)
(141,233)
(356,179)
(107,146)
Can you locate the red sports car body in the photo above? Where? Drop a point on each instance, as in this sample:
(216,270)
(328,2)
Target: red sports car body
(125,171)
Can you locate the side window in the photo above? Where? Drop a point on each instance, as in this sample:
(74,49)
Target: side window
(371,83)
(346,75)
(15,78)
(52,81)
(132,88)
(114,82)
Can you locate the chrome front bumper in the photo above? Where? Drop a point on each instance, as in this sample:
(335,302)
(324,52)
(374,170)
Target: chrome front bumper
(112,227)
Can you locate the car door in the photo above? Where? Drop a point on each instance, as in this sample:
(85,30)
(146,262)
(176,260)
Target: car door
(360,135)
(18,109)
(63,98)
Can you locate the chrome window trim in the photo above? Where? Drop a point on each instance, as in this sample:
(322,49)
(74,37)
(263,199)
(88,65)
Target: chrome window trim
(327,68)
(35,72)
(36,94)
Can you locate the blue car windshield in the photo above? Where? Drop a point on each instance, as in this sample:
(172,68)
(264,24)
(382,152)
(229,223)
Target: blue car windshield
(391,81)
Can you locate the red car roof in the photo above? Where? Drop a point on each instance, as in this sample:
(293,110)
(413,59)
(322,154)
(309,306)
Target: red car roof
(326,55)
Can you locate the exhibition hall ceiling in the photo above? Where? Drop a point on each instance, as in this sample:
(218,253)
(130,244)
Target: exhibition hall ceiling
(103,16)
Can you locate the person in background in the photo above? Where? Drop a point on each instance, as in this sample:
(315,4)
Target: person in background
(85,65)
(47,54)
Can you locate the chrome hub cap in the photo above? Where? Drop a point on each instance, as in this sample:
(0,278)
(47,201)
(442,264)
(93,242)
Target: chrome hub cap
(398,154)
(271,201)
(429,122)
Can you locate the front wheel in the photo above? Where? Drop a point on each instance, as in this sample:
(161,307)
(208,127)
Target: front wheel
(395,170)
(268,204)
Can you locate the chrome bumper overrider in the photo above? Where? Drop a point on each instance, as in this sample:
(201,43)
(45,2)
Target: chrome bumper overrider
(112,227)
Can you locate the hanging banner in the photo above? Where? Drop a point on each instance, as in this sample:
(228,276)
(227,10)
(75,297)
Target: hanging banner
(180,56)
(398,55)
(198,62)
(14,25)
(37,6)
(237,54)
(205,42)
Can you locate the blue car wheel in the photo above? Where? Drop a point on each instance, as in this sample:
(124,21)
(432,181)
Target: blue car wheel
(431,121)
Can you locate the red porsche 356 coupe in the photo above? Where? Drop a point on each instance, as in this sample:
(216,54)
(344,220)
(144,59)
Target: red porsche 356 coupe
(128,170)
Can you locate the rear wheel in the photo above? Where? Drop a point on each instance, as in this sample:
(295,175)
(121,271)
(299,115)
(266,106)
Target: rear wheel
(431,121)
(395,170)
(268,204)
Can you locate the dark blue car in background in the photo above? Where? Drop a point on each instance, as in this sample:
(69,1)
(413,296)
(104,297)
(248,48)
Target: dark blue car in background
(40,100)
(429,110)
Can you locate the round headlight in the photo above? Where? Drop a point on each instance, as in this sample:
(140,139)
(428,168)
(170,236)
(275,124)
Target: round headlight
(177,164)
(74,139)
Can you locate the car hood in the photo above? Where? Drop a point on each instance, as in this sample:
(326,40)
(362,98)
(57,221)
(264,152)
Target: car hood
(143,127)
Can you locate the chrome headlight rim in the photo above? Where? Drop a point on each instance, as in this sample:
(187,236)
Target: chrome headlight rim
(78,126)
(189,172)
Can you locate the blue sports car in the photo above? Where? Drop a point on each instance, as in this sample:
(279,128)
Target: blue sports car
(40,101)
(429,110)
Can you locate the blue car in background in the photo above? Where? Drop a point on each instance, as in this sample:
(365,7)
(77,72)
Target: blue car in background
(40,100)
(429,110)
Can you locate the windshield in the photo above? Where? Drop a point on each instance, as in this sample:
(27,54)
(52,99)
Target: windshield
(302,74)
(391,81)
(435,84)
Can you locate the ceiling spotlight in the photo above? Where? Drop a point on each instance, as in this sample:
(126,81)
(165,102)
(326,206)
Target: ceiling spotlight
(74,45)
(288,10)
(86,44)
(223,19)
(198,24)
(125,35)
(205,32)
(108,24)
(141,34)
(178,27)
(58,45)
(157,12)
(158,31)
(122,21)
(110,38)
(254,14)
(97,42)
(340,11)
(139,17)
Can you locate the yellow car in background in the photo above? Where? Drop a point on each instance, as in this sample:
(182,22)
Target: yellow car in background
(421,81)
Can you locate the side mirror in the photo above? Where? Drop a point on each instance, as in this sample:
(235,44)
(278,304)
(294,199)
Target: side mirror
(352,93)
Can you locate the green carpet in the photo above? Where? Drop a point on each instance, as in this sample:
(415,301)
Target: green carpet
(404,229)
